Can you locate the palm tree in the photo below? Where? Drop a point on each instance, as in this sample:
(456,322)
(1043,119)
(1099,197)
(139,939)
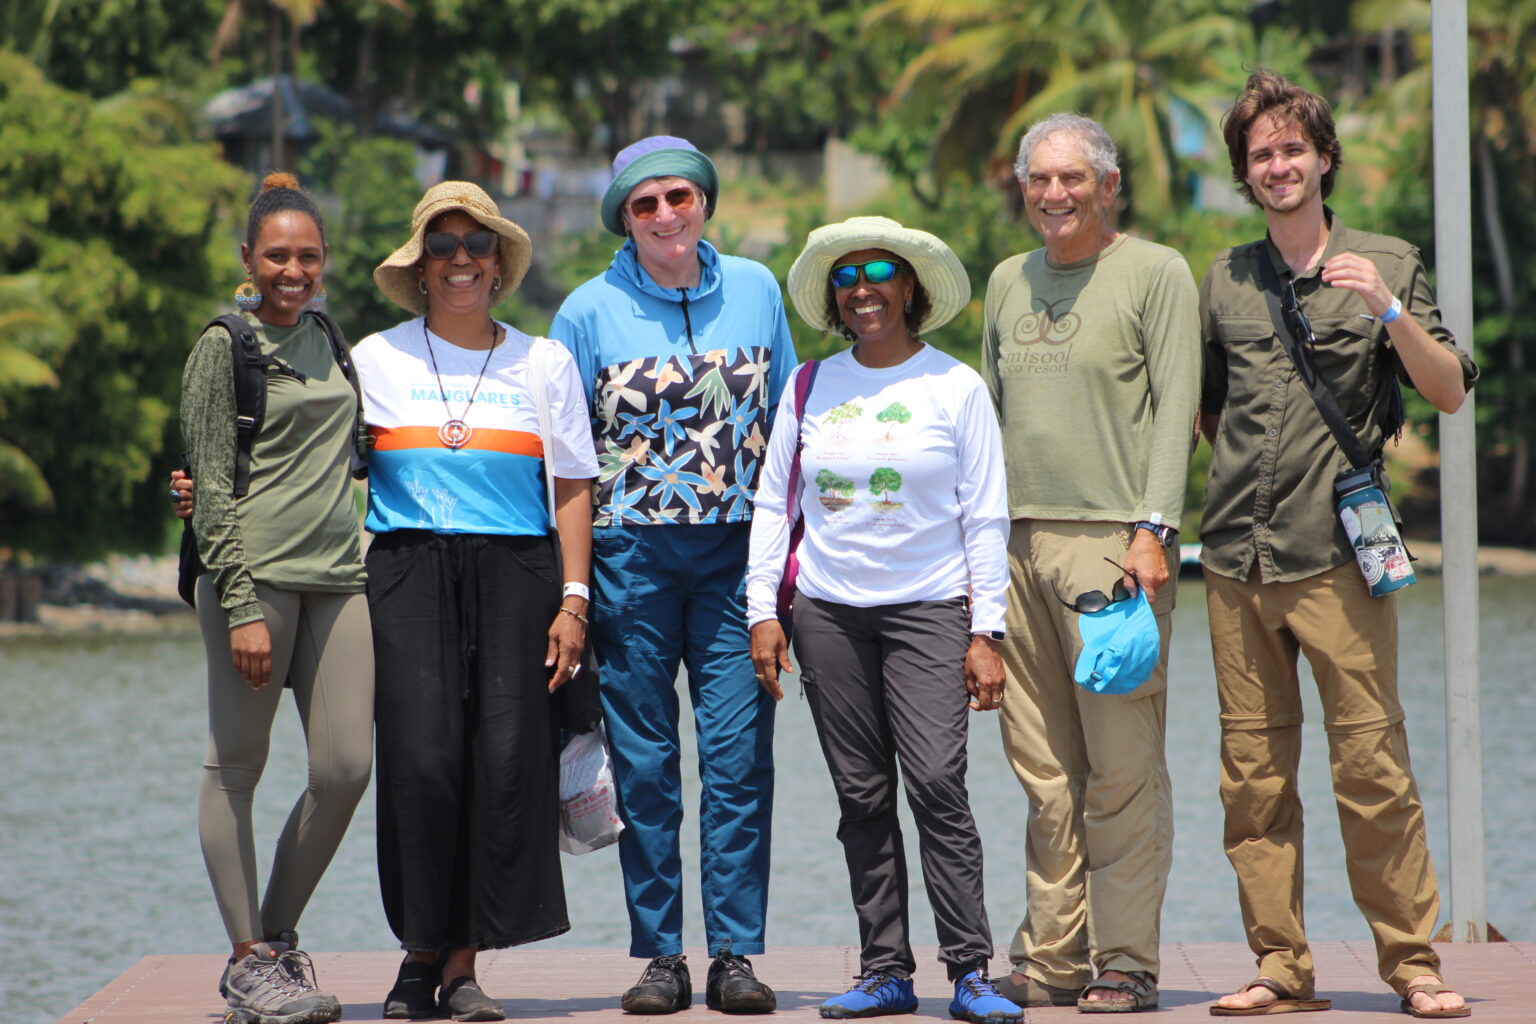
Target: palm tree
(1501,38)
(278,15)
(995,66)
(29,330)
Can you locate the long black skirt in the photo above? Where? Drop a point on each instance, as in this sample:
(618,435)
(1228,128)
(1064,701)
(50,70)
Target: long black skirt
(468,772)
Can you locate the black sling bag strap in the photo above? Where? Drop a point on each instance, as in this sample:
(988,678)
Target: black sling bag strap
(1327,405)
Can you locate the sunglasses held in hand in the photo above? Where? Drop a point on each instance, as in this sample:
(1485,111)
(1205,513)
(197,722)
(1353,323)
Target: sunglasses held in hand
(875,272)
(681,199)
(441,245)
(1095,600)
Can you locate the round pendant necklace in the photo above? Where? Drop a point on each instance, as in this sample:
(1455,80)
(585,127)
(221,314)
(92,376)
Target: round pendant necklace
(455,433)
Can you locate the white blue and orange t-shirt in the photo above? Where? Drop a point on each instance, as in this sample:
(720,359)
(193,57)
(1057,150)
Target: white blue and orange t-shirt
(495,482)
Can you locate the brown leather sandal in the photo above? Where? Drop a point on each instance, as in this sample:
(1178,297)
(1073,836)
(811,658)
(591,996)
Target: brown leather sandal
(1433,989)
(1140,986)
(1284,1002)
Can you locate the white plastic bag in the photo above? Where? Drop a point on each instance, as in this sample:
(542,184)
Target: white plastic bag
(589,808)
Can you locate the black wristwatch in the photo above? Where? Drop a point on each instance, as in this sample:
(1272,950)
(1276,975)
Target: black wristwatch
(1167,536)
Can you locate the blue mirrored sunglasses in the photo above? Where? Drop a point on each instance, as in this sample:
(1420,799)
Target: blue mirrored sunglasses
(875,272)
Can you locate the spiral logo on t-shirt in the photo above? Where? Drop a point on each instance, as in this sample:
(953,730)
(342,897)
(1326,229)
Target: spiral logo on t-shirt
(1045,327)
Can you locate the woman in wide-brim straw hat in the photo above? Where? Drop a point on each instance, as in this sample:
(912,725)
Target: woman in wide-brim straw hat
(899,601)
(683,351)
(478,616)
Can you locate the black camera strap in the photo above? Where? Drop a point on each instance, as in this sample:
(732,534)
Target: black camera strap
(1327,405)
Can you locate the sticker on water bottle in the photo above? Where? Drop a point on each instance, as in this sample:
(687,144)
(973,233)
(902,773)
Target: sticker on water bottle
(1371,565)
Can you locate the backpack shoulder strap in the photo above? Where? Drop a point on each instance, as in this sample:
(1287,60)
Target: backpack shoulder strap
(342,353)
(250,394)
(804,381)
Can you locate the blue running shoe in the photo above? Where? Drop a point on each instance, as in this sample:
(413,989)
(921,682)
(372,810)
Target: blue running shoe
(873,995)
(977,1000)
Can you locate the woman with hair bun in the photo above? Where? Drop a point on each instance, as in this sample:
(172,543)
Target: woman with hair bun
(282,603)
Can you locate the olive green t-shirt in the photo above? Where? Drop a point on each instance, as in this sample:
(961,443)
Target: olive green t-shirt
(1095,370)
(296,528)
(1270,495)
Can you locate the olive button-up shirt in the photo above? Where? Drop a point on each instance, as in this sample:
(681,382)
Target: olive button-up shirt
(1270,493)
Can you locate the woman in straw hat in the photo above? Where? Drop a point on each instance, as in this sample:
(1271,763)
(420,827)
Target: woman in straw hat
(900,593)
(281,605)
(477,619)
(683,351)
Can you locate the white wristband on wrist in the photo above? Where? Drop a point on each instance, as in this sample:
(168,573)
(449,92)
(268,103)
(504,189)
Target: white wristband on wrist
(1393,311)
(576,590)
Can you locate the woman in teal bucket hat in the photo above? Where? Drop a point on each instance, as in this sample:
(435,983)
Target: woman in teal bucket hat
(684,352)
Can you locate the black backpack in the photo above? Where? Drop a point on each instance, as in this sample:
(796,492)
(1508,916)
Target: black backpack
(251,370)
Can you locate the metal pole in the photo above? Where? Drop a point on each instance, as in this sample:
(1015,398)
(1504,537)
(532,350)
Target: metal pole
(1458,475)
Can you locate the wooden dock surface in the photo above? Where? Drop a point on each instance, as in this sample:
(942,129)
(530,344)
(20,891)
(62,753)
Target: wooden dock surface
(582,986)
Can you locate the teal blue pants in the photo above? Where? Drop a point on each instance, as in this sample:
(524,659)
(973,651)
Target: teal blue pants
(666,596)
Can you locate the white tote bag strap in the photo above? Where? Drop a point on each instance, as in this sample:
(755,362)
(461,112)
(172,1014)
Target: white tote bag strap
(539,354)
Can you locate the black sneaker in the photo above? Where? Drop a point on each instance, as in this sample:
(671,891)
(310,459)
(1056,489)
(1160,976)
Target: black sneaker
(414,996)
(664,987)
(733,988)
(278,990)
(462,999)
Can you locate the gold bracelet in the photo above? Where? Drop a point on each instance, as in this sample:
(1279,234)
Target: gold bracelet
(572,611)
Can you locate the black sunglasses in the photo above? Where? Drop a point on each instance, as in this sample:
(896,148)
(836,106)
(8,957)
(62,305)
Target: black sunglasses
(1094,600)
(1295,319)
(441,245)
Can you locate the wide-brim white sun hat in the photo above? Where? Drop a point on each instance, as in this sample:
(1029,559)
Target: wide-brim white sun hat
(397,276)
(935,264)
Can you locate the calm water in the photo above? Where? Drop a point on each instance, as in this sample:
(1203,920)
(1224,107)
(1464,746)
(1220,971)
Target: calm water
(101,739)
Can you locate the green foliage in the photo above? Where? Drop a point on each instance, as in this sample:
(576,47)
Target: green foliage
(118,223)
(102,47)
(368,217)
(800,69)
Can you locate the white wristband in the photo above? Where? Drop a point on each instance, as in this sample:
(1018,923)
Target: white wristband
(577,590)
(1393,311)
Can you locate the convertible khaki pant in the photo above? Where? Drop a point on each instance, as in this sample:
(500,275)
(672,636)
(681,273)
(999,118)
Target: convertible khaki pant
(1100,838)
(1350,640)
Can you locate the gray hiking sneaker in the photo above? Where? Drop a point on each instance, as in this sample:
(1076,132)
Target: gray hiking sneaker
(267,948)
(280,990)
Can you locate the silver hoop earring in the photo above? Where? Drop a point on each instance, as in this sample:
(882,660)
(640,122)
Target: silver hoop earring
(496,284)
(421,285)
(908,307)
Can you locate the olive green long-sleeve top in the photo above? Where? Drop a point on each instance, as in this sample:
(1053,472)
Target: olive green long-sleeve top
(296,528)
(1095,370)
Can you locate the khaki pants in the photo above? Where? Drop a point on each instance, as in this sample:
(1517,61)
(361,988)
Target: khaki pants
(1100,838)
(1350,640)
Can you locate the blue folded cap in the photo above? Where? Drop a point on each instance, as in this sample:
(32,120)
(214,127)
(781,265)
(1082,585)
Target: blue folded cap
(1120,646)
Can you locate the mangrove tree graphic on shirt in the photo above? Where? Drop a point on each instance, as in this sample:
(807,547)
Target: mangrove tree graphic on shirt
(895,415)
(885,481)
(680,437)
(836,491)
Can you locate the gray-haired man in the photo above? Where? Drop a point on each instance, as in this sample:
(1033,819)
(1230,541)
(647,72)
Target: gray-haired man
(1092,352)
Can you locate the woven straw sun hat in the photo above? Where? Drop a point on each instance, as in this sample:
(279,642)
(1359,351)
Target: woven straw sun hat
(397,276)
(935,264)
